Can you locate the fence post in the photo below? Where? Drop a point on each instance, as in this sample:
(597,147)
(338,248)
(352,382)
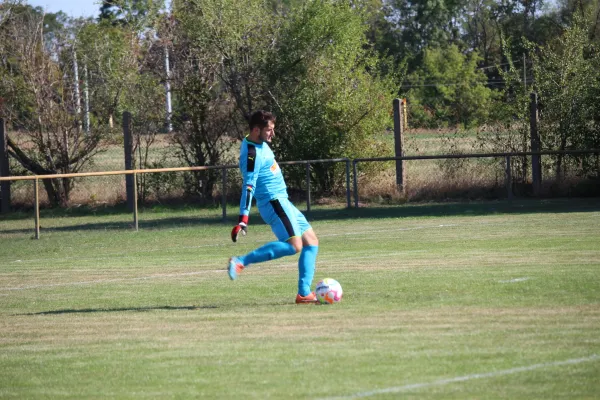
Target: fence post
(355,175)
(536,163)
(128,146)
(224,193)
(398,141)
(509,191)
(36,199)
(4,171)
(135,202)
(347,183)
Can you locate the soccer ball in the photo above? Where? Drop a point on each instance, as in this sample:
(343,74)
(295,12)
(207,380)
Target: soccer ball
(329,291)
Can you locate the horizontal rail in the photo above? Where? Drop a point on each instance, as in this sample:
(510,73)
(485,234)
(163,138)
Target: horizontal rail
(313,161)
(123,172)
(135,172)
(302,162)
(479,155)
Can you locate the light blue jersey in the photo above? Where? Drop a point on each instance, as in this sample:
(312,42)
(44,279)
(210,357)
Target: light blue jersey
(261,175)
(262,179)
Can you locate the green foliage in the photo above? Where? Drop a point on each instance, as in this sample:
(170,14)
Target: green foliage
(312,68)
(567,75)
(448,89)
(218,47)
(508,129)
(135,13)
(425,23)
(326,87)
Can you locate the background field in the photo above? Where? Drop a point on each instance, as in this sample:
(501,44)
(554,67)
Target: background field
(474,300)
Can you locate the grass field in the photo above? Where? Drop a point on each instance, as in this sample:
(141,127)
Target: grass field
(476,300)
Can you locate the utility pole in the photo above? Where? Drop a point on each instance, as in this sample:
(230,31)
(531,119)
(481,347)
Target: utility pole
(76,86)
(86,99)
(168,91)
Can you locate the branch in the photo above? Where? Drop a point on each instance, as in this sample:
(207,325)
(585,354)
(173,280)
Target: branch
(27,162)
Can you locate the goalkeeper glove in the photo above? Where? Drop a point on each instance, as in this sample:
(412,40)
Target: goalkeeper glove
(242,226)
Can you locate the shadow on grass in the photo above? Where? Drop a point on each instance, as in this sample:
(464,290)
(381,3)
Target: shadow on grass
(123,309)
(150,218)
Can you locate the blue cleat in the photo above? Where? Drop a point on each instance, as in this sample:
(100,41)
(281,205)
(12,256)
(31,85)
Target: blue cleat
(235,267)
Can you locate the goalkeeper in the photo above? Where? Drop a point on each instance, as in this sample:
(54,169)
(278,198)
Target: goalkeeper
(263,180)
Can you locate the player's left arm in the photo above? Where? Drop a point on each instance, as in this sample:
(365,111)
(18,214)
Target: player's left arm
(249,168)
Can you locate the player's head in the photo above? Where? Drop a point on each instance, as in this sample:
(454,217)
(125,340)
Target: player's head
(262,126)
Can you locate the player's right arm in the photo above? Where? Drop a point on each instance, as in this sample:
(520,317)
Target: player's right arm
(249,169)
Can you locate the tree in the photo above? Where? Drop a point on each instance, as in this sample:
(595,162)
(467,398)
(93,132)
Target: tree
(567,73)
(325,83)
(216,46)
(449,89)
(137,13)
(314,68)
(426,23)
(40,101)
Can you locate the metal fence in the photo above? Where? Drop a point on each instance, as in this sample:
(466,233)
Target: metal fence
(136,172)
(307,163)
(506,156)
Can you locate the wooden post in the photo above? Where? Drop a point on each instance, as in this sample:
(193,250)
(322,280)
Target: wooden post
(348,204)
(4,171)
(36,196)
(135,202)
(536,162)
(398,141)
(355,176)
(509,181)
(128,145)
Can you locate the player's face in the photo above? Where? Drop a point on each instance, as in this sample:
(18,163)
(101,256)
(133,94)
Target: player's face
(267,133)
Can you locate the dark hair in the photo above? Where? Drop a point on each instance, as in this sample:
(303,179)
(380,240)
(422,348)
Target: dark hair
(260,119)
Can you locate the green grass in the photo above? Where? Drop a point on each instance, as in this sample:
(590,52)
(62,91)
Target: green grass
(477,300)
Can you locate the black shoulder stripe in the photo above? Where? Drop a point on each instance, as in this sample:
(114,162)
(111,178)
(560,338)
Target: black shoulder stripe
(251,158)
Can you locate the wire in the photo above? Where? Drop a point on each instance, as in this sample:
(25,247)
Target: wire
(488,83)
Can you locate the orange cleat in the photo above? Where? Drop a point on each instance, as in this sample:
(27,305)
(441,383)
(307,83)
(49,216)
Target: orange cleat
(310,298)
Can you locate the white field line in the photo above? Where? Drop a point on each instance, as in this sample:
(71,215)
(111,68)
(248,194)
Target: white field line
(515,280)
(465,378)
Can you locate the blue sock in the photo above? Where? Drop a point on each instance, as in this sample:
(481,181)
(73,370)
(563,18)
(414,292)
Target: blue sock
(306,269)
(269,251)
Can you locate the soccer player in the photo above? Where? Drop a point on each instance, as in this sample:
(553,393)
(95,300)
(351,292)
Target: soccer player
(263,180)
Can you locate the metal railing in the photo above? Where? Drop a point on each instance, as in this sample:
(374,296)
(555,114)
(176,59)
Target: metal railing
(507,157)
(307,163)
(136,172)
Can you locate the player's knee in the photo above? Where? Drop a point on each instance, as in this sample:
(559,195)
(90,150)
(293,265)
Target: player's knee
(310,239)
(296,243)
(297,246)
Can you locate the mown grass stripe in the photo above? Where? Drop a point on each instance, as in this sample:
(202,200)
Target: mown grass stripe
(464,378)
